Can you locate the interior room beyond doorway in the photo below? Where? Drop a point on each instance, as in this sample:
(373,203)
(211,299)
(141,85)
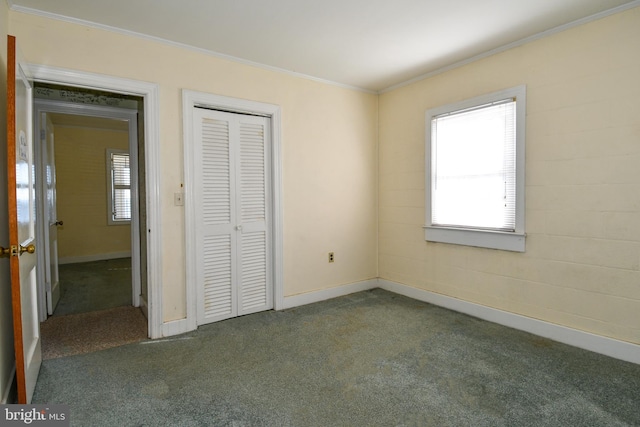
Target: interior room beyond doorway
(98,259)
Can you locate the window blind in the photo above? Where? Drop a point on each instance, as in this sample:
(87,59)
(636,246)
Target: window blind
(474,167)
(121,186)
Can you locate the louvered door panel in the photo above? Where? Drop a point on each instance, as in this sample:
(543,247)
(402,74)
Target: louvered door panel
(252,170)
(218,292)
(254,292)
(215,210)
(216,173)
(254,275)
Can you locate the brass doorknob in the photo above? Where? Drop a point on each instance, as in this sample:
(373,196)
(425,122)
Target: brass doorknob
(5,251)
(30,249)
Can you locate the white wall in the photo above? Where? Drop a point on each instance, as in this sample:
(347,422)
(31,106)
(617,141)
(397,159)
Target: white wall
(329,148)
(581,267)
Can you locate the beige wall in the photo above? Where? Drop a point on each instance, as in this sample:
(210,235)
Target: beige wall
(329,148)
(6,324)
(581,265)
(81,175)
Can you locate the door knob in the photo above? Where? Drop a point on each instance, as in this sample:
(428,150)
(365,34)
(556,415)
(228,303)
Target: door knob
(59,223)
(30,249)
(13,250)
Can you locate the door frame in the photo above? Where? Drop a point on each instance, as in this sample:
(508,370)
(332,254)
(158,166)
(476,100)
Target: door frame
(190,100)
(150,94)
(42,106)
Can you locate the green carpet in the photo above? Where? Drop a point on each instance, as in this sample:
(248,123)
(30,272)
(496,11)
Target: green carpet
(96,285)
(368,359)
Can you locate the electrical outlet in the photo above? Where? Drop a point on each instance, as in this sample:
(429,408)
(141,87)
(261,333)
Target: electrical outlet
(331,258)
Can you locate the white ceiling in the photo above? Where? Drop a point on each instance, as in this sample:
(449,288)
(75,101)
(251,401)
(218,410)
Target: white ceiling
(370,44)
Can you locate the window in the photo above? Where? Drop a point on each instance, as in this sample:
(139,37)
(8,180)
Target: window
(119,183)
(475,171)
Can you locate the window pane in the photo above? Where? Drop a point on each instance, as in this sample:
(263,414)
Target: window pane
(473,182)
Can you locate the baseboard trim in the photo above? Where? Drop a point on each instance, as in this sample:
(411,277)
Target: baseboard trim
(175,327)
(6,395)
(181,326)
(95,257)
(325,294)
(603,345)
(611,347)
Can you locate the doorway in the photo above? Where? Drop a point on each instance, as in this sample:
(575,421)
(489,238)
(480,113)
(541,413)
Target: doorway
(91,191)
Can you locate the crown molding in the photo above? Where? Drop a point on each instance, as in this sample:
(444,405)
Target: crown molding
(517,43)
(30,11)
(633,4)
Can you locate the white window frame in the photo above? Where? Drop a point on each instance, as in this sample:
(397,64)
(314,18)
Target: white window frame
(110,201)
(494,239)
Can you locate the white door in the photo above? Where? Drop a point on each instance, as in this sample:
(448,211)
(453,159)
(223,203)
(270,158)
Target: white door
(22,222)
(232,214)
(52,278)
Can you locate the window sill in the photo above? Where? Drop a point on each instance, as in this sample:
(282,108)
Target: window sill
(126,222)
(502,240)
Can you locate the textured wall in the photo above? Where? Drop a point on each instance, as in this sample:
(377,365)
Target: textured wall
(80,155)
(581,265)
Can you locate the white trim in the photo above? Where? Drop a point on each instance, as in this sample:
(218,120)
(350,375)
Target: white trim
(130,116)
(151,96)
(9,385)
(599,344)
(90,24)
(94,257)
(144,307)
(191,99)
(503,48)
(325,294)
(611,347)
(175,327)
(491,239)
(277,214)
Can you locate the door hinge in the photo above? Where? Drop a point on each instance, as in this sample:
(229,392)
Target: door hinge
(48,286)
(43,134)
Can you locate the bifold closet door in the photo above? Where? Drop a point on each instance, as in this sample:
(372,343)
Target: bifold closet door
(233,214)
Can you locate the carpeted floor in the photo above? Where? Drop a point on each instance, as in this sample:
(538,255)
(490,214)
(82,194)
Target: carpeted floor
(87,332)
(368,359)
(92,286)
(94,312)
